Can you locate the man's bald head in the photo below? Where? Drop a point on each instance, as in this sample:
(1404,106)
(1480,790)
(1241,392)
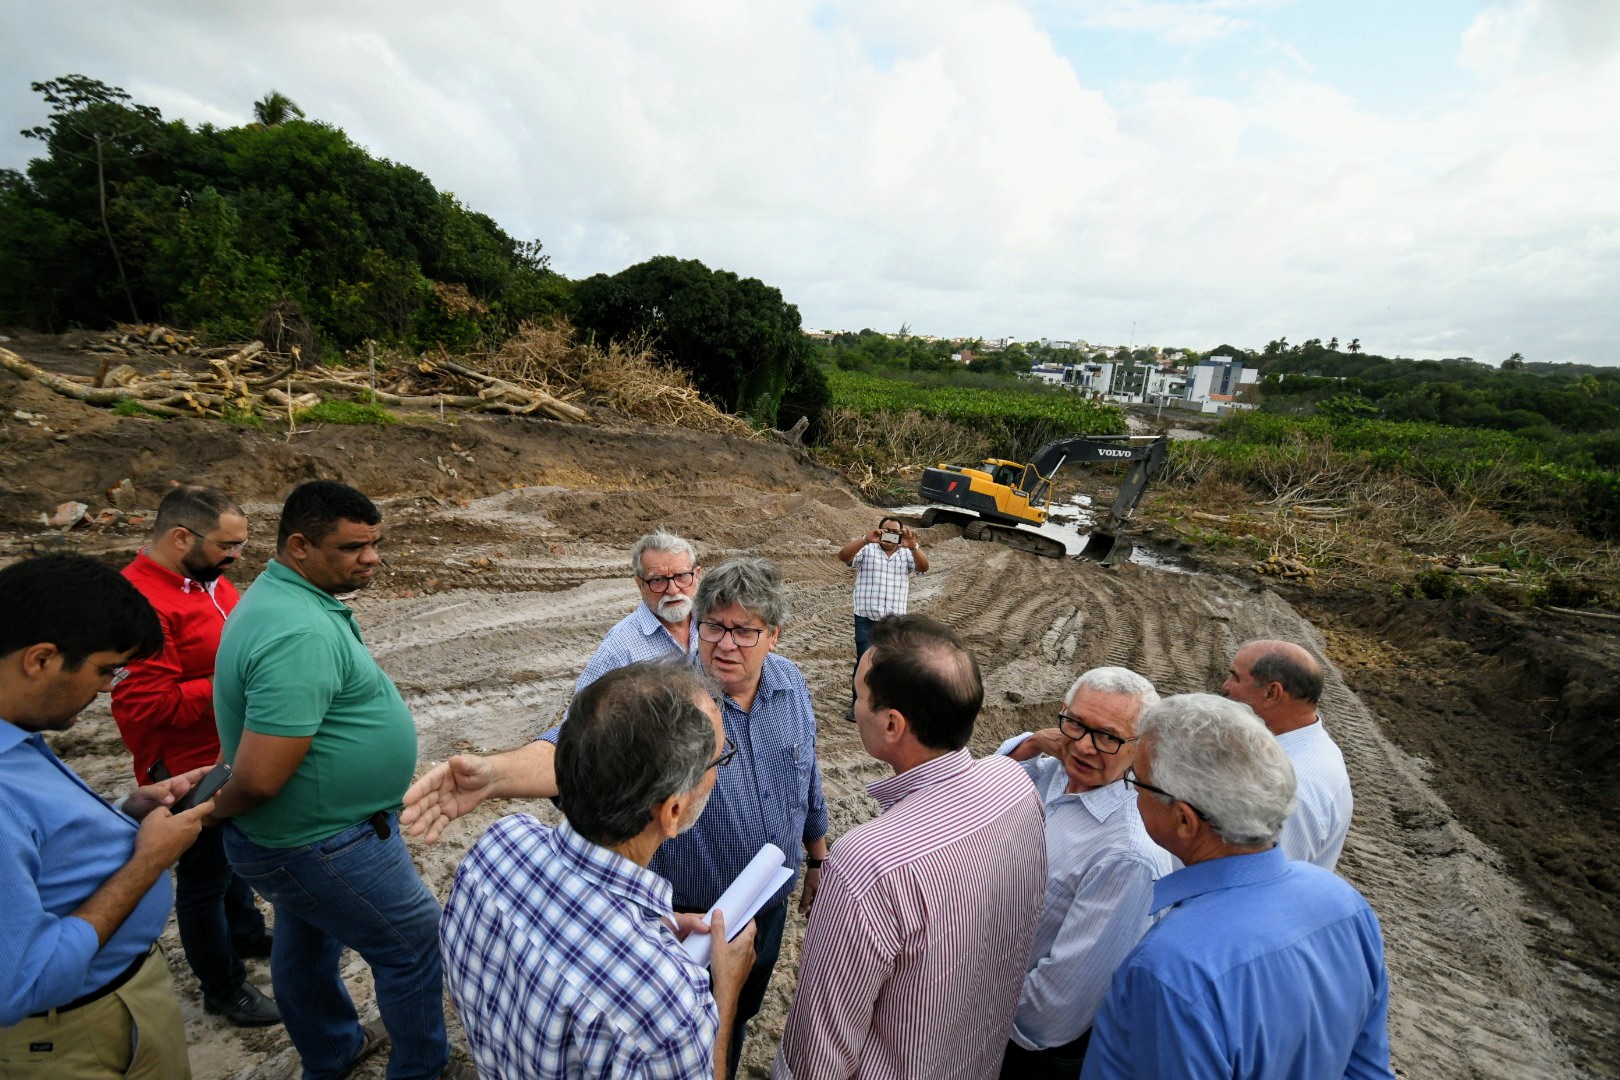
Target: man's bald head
(1279,680)
(921,669)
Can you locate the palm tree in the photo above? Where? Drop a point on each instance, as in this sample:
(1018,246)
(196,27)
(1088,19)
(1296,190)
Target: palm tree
(276,108)
(1514,363)
(1354,346)
(1334,344)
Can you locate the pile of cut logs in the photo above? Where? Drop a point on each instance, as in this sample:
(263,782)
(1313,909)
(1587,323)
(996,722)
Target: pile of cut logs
(251,379)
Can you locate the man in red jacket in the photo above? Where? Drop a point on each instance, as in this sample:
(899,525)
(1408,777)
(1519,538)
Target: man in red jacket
(164,707)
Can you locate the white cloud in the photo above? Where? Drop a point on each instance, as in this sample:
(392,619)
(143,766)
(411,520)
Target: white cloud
(942,163)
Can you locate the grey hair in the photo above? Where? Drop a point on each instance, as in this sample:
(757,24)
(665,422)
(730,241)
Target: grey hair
(660,540)
(750,583)
(1215,754)
(1117,680)
(633,738)
(1276,663)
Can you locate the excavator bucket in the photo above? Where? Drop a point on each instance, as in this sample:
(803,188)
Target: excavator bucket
(1107,548)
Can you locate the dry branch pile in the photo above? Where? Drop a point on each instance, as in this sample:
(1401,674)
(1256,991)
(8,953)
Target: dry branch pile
(626,377)
(541,370)
(248,380)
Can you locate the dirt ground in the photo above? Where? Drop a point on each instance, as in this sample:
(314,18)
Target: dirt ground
(1481,742)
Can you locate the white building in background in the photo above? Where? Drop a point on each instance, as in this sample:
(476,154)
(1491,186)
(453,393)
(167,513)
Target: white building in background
(1214,384)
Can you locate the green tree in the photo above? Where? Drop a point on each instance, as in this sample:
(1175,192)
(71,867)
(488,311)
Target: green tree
(90,120)
(276,108)
(736,336)
(1514,363)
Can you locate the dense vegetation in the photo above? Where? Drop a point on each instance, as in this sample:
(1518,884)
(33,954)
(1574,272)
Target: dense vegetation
(130,217)
(284,228)
(741,341)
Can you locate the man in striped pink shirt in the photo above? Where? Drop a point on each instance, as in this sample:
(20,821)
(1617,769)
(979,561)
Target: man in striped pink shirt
(921,931)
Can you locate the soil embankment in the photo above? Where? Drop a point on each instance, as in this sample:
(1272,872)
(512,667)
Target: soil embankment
(494,597)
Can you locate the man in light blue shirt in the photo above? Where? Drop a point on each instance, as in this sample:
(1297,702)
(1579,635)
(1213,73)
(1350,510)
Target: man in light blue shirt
(1260,968)
(83,889)
(667,576)
(1100,869)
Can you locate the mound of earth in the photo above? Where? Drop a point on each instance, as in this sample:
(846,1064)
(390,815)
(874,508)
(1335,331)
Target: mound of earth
(1485,841)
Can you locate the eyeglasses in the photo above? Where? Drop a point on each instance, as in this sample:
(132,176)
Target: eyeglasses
(233,548)
(1131,781)
(1105,741)
(744,637)
(114,674)
(661,582)
(725,757)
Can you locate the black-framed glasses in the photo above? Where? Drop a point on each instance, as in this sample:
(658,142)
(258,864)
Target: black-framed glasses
(1074,730)
(1131,781)
(660,582)
(744,637)
(725,757)
(234,548)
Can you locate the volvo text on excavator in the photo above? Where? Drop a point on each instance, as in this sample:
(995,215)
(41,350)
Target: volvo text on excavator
(1006,501)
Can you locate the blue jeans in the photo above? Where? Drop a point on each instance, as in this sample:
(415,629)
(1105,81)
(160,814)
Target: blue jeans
(356,890)
(863,641)
(214,910)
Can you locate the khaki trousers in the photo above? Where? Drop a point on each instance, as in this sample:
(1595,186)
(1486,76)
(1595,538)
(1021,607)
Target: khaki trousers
(134,1032)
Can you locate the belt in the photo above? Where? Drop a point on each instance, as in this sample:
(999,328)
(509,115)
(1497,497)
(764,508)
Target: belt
(96,995)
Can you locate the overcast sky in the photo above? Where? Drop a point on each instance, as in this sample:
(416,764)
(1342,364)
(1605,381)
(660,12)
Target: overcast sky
(1434,177)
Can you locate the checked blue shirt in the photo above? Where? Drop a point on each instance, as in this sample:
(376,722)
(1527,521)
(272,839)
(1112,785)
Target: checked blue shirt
(640,635)
(560,963)
(770,793)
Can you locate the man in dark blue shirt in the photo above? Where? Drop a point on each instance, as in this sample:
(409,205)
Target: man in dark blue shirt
(1260,968)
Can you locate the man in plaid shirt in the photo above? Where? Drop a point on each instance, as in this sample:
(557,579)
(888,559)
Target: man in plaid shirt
(884,560)
(561,947)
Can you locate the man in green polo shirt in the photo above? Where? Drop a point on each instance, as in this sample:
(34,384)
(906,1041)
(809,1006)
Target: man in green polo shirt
(323,748)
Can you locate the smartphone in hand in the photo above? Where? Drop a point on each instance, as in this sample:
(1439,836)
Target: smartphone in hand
(212,781)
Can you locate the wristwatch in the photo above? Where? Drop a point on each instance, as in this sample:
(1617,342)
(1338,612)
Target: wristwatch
(812,864)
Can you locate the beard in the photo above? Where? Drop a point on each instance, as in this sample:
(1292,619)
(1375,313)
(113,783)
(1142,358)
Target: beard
(204,572)
(674,609)
(694,812)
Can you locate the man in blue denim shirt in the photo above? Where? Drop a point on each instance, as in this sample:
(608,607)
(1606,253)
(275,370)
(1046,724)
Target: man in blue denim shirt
(770,794)
(83,889)
(1260,968)
(323,746)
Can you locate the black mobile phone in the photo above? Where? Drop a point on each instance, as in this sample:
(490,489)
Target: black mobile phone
(212,781)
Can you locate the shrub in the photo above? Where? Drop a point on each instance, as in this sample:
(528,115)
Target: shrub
(346,412)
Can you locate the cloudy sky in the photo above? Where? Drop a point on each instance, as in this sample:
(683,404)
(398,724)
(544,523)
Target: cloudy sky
(1434,177)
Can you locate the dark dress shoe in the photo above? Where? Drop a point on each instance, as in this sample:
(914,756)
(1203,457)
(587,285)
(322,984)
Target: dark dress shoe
(253,948)
(247,1007)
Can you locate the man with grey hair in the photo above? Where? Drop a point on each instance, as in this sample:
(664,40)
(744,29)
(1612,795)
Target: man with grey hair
(771,795)
(1282,683)
(1262,967)
(667,574)
(561,946)
(1100,869)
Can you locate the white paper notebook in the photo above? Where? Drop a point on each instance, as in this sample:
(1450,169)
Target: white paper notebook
(742,900)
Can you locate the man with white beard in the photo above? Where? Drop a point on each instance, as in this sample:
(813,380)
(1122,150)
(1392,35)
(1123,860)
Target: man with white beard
(667,575)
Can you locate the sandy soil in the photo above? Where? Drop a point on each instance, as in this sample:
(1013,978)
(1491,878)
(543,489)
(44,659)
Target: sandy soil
(1492,882)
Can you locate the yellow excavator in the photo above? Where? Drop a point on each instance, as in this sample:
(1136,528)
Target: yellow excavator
(1006,501)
